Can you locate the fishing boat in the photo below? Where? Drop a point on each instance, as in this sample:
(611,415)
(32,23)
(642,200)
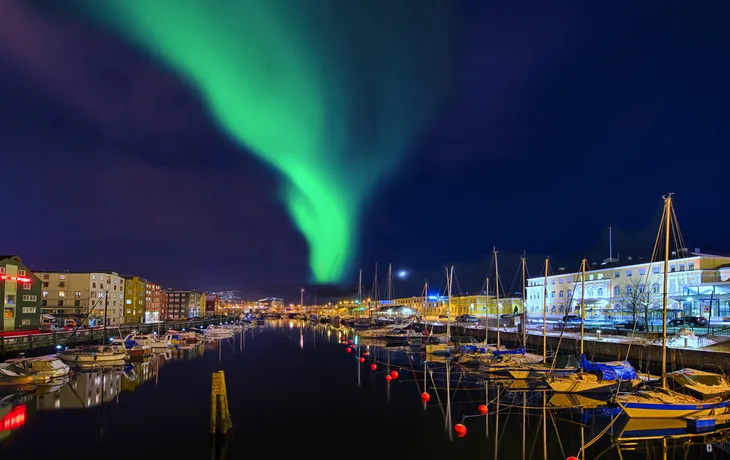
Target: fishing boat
(12,375)
(662,402)
(606,377)
(42,368)
(94,354)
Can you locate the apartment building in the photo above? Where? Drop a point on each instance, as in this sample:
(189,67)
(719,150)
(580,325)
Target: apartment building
(20,291)
(83,296)
(184,304)
(135,296)
(153,300)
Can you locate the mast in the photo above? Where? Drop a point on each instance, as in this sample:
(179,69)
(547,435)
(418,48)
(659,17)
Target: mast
(582,301)
(486,315)
(359,288)
(425,302)
(544,313)
(389,286)
(106,306)
(449,278)
(667,224)
(524,310)
(496,291)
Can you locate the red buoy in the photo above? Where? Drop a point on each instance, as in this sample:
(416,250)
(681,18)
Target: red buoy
(460,430)
(572,458)
(373,366)
(394,374)
(343,338)
(483,409)
(425,397)
(350,342)
(349,350)
(362,360)
(388,378)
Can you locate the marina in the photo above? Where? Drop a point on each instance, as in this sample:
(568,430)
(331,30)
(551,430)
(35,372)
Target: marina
(298,379)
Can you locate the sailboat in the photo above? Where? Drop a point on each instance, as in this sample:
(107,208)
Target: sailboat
(437,345)
(663,402)
(594,377)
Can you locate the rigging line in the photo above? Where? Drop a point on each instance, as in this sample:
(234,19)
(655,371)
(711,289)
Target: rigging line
(562,330)
(458,287)
(518,274)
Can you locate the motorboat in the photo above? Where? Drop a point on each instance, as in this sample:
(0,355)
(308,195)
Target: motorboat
(154,341)
(95,354)
(701,384)
(218,332)
(12,375)
(42,368)
(134,348)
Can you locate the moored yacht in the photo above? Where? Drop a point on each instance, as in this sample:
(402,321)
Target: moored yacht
(42,368)
(94,354)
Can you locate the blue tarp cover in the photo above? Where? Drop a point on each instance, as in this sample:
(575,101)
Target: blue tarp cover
(519,351)
(616,370)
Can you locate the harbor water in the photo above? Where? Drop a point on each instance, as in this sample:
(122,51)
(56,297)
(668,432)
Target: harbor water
(293,387)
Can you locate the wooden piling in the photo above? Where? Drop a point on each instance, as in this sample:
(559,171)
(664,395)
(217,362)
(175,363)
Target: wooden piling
(220,417)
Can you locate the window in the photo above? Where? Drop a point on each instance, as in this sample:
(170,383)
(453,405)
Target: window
(30,298)
(552,281)
(26,286)
(672,268)
(561,294)
(10,299)
(616,274)
(616,291)
(591,292)
(129,302)
(61,284)
(93,285)
(681,267)
(628,272)
(62,277)
(25,322)
(599,276)
(60,303)
(78,294)
(600,292)
(691,266)
(655,288)
(46,276)
(45,284)
(642,271)
(21,272)
(655,269)
(29,310)
(570,293)
(560,280)
(61,294)
(9,312)
(628,290)
(642,288)
(44,303)
(2,270)
(77,303)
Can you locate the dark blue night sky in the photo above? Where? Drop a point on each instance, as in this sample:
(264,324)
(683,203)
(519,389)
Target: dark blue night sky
(561,122)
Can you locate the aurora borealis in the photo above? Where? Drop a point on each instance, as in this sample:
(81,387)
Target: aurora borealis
(330,94)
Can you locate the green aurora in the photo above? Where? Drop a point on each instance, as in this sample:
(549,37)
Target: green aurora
(330,93)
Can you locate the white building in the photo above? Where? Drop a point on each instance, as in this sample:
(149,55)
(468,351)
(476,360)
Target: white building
(698,284)
(72,295)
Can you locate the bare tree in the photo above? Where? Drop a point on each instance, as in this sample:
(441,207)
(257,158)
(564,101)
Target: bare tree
(636,297)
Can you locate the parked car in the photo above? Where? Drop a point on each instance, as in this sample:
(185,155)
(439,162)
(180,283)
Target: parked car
(571,320)
(631,325)
(467,319)
(691,321)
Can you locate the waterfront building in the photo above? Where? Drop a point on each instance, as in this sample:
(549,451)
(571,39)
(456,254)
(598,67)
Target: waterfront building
(153,303)
(213,305)
(184,304)
(698,285)
(82,296)
(477,305)
(21,293)
(135,299)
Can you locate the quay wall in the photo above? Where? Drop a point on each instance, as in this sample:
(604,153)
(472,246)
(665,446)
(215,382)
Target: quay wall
(644,357)
(12,345)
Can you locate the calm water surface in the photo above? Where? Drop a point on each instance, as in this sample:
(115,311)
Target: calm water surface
(293,388)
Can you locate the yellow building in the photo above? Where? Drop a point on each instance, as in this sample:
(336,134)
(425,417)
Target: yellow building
(135,300)
(697,285)
(461,305)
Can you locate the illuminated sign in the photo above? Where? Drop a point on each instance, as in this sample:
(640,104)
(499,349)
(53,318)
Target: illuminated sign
(13,419)
(20,279)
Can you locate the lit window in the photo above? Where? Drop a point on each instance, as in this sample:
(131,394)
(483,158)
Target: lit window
(45,294)
(628,272)
(21,272)
(62,277)
(26,286)
(655,269)
(61,294)
(129,302)
(642,271)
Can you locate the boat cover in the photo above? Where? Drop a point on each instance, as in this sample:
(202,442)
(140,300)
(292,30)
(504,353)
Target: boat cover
(518,351)
(615,370)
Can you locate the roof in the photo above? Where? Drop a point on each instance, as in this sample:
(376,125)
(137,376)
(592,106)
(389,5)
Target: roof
(8,257)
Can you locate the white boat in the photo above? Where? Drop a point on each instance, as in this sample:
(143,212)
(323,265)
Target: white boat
(11,375)
(154,341)
(42,368)
(94,354)
(663,402)
(701,384)
(135,348)
(218,332)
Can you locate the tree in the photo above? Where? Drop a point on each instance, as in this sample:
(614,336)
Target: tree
(635,296)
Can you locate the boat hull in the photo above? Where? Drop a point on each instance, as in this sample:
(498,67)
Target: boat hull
(89,358)
(568,385)
(650,410)
(538,373)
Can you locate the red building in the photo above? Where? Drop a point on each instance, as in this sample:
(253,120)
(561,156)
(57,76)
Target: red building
(154,299)
(212,305)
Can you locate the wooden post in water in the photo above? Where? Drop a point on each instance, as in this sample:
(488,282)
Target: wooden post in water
(220,418)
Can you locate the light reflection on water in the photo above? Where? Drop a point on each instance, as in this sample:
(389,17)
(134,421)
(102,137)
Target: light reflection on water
(524,420)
